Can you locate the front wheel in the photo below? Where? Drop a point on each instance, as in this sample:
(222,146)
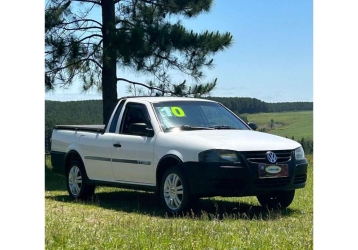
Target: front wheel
(77,186)
(278,199)
(174,191)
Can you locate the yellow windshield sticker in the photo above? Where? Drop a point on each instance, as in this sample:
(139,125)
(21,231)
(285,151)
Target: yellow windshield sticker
(178,111)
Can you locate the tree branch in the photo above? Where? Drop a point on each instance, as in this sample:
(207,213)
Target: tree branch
(95,62)
(172,62)
(88,1)
(88,37)
(86,28)
(74,63)
(145,85)
(84,20)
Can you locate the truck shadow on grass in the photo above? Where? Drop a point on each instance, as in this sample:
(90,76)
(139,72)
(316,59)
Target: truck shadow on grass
(148,203)
(54,182)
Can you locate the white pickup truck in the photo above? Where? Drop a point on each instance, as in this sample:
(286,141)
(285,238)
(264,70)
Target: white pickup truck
(182,149)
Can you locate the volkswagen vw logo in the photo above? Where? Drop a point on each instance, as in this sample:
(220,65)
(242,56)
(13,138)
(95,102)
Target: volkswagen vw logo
(271,157)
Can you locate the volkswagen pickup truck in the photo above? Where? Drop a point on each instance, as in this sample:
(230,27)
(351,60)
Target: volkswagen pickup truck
(182,149)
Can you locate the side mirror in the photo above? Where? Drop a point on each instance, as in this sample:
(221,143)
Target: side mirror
(252,125)
(141,129)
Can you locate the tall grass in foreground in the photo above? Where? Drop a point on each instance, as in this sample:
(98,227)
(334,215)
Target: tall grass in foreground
(124,219)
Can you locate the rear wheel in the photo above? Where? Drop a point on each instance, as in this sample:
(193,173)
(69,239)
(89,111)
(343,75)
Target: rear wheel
(278,199)
(174,191)
(77,185)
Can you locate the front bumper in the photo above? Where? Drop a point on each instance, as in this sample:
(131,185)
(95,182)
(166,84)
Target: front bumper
(229,179)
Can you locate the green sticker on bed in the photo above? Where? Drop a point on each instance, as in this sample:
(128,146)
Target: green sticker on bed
(177,111)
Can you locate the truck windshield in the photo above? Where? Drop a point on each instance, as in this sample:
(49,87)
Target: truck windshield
(195,115)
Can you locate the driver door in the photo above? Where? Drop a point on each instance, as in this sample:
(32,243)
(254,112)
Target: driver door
(132,154)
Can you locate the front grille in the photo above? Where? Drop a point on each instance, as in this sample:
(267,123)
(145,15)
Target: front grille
(272,182)
(230,184)
(300,178)
(260,156)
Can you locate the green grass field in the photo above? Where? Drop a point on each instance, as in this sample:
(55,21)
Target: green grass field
(287,124)
(123,219)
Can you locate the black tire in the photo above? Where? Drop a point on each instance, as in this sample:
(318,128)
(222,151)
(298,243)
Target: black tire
(174,191)
(278,199)
(77,181)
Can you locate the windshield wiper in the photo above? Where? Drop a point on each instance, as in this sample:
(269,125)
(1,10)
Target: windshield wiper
(187,127)
(222,127)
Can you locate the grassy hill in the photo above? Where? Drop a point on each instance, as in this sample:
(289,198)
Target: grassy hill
(297,124)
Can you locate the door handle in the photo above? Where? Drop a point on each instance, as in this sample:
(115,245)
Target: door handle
(117,145)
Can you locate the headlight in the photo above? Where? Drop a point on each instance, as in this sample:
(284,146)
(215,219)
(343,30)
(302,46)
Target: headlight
(218,155)
(299,153)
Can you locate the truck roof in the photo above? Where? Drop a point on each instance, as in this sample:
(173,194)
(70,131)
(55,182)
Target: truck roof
(155,99)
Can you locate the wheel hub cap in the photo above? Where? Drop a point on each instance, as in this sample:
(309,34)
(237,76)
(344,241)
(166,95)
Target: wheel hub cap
(173,191)
(75,180)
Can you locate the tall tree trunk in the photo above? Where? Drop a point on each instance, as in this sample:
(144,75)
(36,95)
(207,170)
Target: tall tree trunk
(109,71)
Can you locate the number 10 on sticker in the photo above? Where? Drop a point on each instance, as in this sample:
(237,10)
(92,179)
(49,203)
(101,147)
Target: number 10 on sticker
(178,111)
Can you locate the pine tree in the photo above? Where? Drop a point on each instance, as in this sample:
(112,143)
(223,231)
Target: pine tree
(138,35)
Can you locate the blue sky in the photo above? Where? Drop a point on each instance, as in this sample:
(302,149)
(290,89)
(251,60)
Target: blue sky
(271,58)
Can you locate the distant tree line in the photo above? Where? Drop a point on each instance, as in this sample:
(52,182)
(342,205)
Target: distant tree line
(290,106)
(242,105)
(70,113)
(90,112)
